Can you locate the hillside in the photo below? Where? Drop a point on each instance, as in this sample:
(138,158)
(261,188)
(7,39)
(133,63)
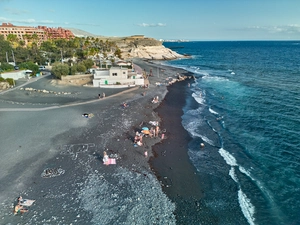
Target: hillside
(135,46)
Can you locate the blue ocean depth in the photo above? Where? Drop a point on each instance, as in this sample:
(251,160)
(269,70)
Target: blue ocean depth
(245,106)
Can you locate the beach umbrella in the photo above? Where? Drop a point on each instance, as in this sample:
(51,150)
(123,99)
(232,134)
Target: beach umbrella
(145,128)
(145,131)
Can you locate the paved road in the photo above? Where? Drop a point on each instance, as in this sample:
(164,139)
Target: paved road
(28,82)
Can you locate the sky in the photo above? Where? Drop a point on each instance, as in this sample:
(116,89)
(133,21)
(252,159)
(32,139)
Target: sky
(202,20)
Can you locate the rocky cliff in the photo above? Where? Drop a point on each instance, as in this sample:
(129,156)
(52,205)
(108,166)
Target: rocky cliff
(146,48)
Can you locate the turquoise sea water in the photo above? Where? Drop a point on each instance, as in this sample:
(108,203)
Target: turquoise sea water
(245,105)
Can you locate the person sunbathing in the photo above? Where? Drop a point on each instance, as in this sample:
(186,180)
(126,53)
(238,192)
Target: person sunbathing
(19,209)
(155,100)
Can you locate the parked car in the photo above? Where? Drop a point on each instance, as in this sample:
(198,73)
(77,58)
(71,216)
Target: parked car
(16,67)
(42,67)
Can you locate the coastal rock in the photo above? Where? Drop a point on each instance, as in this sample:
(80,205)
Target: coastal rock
(146,48)
(154,52)
(4,85)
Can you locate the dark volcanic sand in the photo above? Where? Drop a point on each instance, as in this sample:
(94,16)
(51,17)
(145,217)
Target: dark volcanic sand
(89,192)
(171,163)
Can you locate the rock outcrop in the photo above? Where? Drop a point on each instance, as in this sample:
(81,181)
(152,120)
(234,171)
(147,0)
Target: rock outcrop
(4,85)
(146,48)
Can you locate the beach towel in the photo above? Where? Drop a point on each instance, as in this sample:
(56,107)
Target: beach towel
(26,202)
(110,161)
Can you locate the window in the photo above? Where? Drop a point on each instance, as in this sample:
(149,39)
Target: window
(114,74)
(124,72)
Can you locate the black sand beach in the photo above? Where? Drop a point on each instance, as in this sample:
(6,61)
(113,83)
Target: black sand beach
(171,163)
(79,189)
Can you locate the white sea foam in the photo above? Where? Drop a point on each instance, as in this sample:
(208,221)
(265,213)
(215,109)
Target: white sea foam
(194,112)
(233,175)
(244,171)
(192,126)
(230,160)
(259,184)
(212,111)
(199,97)
(207,140)
(247,208)
(214,78)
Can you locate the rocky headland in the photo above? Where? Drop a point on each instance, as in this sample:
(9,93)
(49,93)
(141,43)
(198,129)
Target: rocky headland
(146,48)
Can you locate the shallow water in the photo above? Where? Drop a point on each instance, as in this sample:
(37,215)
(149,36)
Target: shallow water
(244,104)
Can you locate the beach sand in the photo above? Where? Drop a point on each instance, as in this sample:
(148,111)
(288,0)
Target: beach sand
(46,132)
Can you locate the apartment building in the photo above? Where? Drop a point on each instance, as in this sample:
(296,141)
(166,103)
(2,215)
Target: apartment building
(21,31)
(43,33)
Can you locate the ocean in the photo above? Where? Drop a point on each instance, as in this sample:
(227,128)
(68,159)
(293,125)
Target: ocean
(245,106)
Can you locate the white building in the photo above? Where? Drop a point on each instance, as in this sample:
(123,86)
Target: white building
(117,77)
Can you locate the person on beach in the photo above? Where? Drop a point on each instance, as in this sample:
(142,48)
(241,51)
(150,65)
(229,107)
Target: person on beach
(152,132)
(105,158)
(156,131)
(99,96)
(155,99)
(19,208)
(103,95)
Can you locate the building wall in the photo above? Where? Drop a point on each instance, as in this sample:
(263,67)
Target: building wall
(116,75)
(20,31)
(14,75)
(58,32)
(118,72)
(42,32)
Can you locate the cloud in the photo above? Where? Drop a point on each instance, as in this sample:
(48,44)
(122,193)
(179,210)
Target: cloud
(43,22)
(86,24)
(15,11)
(290,29)
(26,21)
(152,24)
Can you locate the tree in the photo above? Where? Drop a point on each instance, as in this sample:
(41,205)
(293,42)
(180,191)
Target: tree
(81,68)
(13,39)
(30,66)
(4,47)
(48,46)
(88,63)
(59,69)
(118,53)
(6,67)
(73,70)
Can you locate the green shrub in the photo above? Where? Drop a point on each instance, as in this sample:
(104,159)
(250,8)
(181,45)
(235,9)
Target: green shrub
(6,67)
(59,69)
(10,81)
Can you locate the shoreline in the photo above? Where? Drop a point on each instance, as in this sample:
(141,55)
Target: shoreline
(171,163)
(62,138)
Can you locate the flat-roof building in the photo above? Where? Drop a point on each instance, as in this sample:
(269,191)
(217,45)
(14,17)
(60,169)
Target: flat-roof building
(43,33)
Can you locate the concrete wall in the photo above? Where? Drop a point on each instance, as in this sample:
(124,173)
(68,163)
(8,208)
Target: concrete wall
(17,74)
(110,81)
(78,79)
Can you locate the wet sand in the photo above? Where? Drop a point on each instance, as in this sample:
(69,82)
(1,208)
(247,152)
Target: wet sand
(88,192)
